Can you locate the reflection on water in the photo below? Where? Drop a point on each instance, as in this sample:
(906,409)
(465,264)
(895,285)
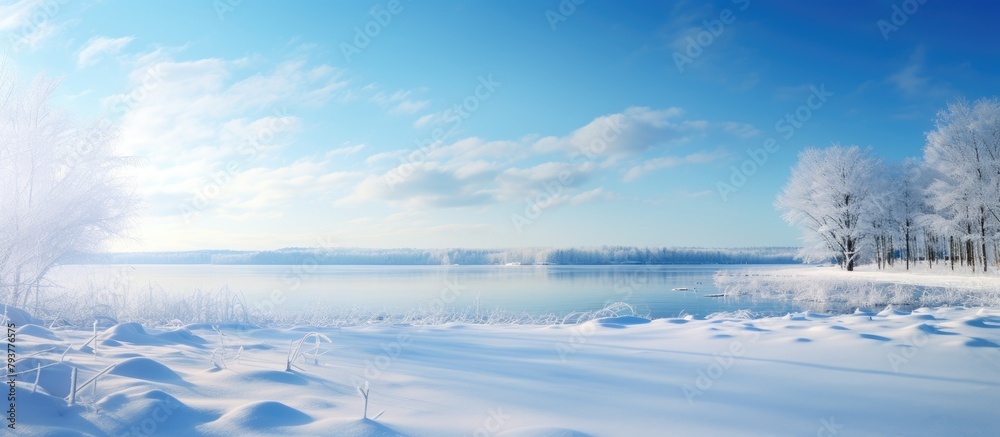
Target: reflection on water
(656,290)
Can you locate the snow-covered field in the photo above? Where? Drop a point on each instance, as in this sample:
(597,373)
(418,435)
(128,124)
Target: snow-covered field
(829,287)
(929,372)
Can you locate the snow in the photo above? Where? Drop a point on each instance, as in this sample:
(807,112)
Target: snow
(830,287)
(925,372)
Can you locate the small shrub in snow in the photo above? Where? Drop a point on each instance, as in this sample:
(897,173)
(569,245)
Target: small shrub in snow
(295,349)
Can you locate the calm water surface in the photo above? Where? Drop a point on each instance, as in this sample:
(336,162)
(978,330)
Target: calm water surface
(561,290)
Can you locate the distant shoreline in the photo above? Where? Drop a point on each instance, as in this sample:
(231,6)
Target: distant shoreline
(605,255)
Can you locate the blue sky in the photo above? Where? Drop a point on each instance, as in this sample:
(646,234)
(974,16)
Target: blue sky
(493,124)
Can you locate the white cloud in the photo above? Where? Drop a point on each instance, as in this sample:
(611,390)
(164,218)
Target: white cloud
(592,196)
(477,172)
(743,130)
(697,194)
(383,156)
(212,142)
(409,106)
(98,47)
(398,103)
(908,80)
(429,119)
(473,148)
(616,136)
(29,23)
(420,185)
(346,150)
(912,81)
(664,162)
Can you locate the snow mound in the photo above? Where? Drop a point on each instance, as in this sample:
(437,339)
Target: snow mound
(134,333)
(154,412)
(263,414)
(989,322)
(933,330)
(37,331)
(181,336)
(53,379)
(542,432)
(42,414)
(18,316)
(145,369)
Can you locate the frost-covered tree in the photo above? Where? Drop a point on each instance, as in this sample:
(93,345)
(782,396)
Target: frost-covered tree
(830,197)
(884,215)
(62,187)
(964,154)
(909,206)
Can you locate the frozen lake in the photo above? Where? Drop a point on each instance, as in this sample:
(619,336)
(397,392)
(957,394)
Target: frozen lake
(561,290)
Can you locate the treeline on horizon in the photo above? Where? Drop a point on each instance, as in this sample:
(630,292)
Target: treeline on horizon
(604,255)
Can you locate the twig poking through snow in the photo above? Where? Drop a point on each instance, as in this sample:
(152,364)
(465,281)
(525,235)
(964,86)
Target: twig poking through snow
(364,394)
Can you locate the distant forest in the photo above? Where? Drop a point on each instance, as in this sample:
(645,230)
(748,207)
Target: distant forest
(605,255)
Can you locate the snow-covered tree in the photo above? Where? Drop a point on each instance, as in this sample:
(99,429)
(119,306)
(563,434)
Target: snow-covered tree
(909,206)
(62,186)
(830,196)
(964,154)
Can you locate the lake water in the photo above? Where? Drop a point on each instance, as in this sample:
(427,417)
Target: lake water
(655,290)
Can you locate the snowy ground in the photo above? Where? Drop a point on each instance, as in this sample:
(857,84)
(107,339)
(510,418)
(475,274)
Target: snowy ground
(929,372)
(829,288)
(917,274)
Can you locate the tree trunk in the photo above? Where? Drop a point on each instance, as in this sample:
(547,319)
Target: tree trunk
(907,236)
(951,252)
(849,257)
(982,234)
